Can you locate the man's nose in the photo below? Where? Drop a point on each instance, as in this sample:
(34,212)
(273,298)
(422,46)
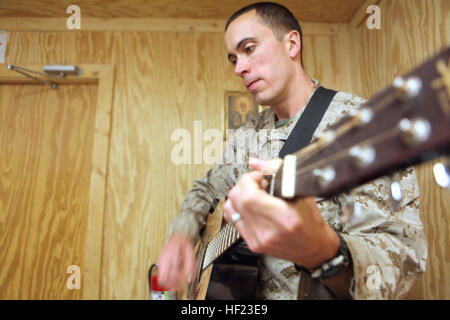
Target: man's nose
(241,67)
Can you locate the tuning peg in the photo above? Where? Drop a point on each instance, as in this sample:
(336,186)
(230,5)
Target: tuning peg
(415,131)
(324,176)
(396,191)
(363,156)
(407,89)
(365,115)
(442,174)
(327,137)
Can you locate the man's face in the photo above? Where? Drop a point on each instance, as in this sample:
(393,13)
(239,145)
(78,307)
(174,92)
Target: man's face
(260,59)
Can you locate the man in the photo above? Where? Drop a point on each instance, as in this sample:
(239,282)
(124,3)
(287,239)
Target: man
(385,248)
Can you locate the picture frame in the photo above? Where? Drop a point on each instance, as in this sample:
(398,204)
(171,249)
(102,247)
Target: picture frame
(239,107)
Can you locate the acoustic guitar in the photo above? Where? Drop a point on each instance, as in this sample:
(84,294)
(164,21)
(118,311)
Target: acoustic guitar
(402,125)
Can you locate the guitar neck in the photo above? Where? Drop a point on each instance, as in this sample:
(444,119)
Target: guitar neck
(402,125)
(225,239)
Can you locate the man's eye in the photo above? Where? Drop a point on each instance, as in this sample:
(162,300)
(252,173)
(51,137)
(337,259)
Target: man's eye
(249,49)
(233,61)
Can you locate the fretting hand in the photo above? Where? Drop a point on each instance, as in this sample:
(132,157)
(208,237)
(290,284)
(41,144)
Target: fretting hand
(293,231)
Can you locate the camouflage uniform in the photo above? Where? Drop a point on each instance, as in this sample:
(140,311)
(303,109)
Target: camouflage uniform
(387,244)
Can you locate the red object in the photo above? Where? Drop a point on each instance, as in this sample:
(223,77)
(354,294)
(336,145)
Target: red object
(155,284)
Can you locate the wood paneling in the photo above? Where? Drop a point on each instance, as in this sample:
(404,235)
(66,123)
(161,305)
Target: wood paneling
(46,146)
(306,10)
(164,81)
(435,214)
(146,24)
(411,31)
(168,80)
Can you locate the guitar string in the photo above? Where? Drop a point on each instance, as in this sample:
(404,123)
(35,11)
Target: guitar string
(344,153)
(218,251)
(347,126)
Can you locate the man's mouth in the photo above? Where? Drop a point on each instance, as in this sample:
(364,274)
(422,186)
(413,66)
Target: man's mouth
(252,84)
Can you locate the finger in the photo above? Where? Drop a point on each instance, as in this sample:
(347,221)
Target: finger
(245,229)
(253,179)
(243,195)
(227,210)
(190,264)
(167,280)
(267,167)
(252,227)
(170,266)
(260,181)
(182,266)
(256,205)
(177,274)
(264,184)
(163,267)
(187,263)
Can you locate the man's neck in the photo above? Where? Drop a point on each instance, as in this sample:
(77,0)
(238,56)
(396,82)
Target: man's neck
(297,94)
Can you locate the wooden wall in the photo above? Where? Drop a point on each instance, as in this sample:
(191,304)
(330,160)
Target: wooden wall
(164,81)
(168,80)
(411,31)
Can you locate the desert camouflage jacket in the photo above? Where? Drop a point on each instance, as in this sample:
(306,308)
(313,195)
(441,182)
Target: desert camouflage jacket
(387,242)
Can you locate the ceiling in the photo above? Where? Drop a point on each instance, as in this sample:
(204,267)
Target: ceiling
(305,10)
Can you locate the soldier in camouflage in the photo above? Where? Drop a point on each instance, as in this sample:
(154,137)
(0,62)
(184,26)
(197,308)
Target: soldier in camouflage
(386,242)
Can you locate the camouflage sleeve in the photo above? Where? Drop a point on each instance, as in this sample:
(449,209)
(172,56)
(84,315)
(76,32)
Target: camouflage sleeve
(203,196)
(207,191)
(386,241)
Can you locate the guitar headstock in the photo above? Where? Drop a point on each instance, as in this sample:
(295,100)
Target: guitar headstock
(402,125)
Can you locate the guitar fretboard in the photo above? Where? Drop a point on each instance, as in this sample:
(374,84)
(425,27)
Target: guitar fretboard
(219,244)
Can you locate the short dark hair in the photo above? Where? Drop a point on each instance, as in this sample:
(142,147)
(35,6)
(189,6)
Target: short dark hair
(276,16)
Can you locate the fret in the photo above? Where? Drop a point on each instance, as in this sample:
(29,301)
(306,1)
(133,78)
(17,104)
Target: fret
(226,237)
(222,243)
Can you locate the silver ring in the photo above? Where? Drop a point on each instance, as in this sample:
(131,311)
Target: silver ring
(235,217)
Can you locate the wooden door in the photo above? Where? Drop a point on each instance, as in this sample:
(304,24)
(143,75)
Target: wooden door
(46,150)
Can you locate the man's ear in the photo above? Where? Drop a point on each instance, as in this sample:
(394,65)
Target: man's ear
(294,43)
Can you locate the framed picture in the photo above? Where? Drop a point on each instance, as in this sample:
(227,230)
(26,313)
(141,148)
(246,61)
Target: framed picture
(239,107)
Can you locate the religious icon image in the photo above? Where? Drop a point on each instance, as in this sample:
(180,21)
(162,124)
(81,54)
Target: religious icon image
(239,108)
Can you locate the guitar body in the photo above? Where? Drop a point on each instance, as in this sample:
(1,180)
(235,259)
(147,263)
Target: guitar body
(232,276)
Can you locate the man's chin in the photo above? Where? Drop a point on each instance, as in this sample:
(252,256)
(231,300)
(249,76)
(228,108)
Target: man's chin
(262,100)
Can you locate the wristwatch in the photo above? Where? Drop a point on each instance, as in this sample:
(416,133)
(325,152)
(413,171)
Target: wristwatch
(333,266)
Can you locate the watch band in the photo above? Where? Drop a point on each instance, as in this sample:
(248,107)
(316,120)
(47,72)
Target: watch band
(332,267)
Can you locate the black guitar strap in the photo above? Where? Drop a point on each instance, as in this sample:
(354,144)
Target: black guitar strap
(301,136)
(305,127)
